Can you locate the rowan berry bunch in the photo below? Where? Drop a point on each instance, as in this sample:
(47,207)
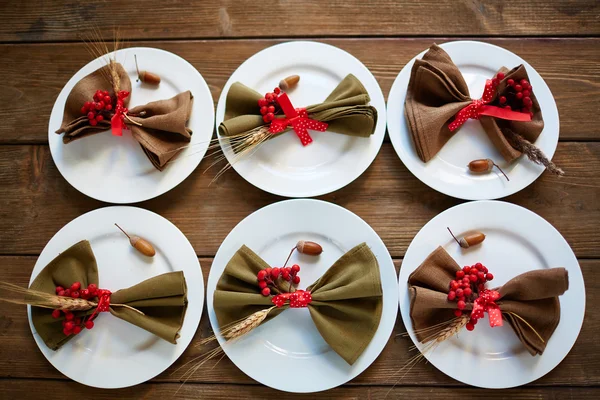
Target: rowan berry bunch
(73,325)
(469,283)
(269,105)
(102,106)
(274,279)
(517,95)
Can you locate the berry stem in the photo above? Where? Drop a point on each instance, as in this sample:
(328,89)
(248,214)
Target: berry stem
(136,68)
(288,259)
(496,165)
(122,230)
(453,236)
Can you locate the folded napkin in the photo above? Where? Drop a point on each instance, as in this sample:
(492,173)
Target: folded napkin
(437,92)
(346,110)
(162,133)
(162,299)
(346,301)
(533,296)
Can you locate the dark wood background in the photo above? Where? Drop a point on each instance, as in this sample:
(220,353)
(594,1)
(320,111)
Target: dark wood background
(40,50)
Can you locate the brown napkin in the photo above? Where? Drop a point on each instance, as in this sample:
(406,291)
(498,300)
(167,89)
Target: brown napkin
(532,295)
(163,132)
(346,110)
(346,301)
(162,299)
(437,92)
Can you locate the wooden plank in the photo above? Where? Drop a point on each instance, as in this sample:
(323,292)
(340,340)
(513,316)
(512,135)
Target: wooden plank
(35,389)
(33,75)
(26,361)
(36,201)
(64,20)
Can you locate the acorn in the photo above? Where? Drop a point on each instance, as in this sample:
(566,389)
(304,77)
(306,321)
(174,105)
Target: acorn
(472,239)
(289,82)
(141,245)
(310,248)
(484,165)
(145,76)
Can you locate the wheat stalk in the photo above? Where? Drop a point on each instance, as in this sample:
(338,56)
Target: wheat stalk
(246,325)
(532,152)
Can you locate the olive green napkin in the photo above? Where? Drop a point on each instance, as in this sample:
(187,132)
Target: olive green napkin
(346,110)
(532,295)
(346,301)
(437,91)
(162,299)
(163,133)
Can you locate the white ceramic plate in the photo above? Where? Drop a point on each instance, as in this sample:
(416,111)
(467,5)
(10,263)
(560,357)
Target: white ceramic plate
(447,172)
(116,353)
(282,165)
(288,353)
(517,241)
(115,169)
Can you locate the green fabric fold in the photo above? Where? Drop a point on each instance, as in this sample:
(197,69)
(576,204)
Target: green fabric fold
(346,110)
(162,299)
(347,300)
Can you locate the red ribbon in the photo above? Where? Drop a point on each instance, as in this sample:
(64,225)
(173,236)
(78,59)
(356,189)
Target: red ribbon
(486,302)
(117,122)
(480,107)
(103,303)
(298,119)
(297,299)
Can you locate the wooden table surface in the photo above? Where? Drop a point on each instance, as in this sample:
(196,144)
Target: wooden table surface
(40,50)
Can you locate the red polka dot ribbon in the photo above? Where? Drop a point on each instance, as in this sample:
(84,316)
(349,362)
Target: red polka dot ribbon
(486,302)
(298,119)
(297,299)
(481,107)
(103,304)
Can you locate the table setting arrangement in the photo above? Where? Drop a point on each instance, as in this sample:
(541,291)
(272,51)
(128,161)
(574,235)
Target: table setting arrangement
(303,295)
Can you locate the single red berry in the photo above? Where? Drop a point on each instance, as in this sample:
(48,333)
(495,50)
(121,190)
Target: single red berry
(489,277)
(262,274)
(527,101)
(268,270)
(467,269)
(519,95)
(108,107)
(451,295)
(454,285)
(262,284)
(262,102)
(59,289)
(264,110)
(295,268)
(106,99)
(507,108)
(458,313)
(67,332)
(69,316)
(93,122)
(92,288)
(500,75)
(85,293)
(89,324)
(461,305)
(68,292)
(84,109)
(479,265)
(277,90)
(56,314)
(469,326)
(296,280)
(269,97)
(461,298)
(467,292)
(76,286)
(473,278)
(495,81)
(285,276)
(502,99)
(275,273)
(268,117)
(75,294)
(511,82)
(524,82)
(518,88)
(459,292)
(91,115)
(481,276)
(69,325)
(61,293)
(460,274)
(526,93)
(99,118)
(76,329)
(266,291)
(271,109)
(466,280)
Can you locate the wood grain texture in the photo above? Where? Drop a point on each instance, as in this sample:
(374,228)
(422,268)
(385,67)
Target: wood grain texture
(17,345)
(183,19)
(34,75)
(36,201)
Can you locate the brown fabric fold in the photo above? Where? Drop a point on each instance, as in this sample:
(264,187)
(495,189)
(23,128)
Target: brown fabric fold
(163,133)
(533,296)
(346,305)
(162,299)
(437,92)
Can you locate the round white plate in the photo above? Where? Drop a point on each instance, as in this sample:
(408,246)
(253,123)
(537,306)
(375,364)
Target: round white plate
(116,353)
(291,342)
(517,241)
(447,172)
(114,168)
(282,165)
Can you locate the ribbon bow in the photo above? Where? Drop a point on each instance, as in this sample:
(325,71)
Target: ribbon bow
(298,119)
(345,303)
(529,302)
(480,107)
(156,305)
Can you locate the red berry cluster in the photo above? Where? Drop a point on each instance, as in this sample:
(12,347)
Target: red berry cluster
(102,106)
(517,96)
(269,104)
(270,276)
(465,288)
(71,324)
